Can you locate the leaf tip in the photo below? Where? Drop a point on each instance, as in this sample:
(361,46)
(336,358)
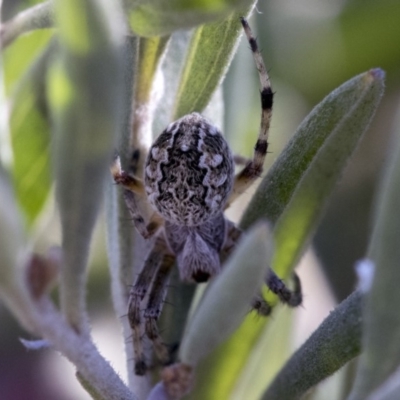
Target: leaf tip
(376,74)
(365,270)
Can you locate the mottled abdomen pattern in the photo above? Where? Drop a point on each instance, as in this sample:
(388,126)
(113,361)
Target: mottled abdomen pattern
(189,171)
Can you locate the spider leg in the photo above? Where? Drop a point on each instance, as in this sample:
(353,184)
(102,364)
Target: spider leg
(292,298)
(146,230)
(232,236)
(254,168)
(136,295)
(133,188)
(261,306)
(155,304)
(128,181)
(240,160)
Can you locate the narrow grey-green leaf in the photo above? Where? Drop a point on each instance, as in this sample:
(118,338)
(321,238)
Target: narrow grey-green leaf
(84,93)
(210,52)
(171,68)
(162,17)
(146,93)
(228,299)
(297,188)
(151,51)
(381,356)
(333,344)
(37,17)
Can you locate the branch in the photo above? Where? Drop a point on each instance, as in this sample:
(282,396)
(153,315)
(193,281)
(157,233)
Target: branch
(38,17)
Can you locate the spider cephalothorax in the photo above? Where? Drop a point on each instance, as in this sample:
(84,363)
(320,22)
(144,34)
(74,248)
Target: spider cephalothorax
(189,180)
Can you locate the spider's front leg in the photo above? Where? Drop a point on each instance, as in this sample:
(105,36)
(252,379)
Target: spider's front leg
(254,167)
(134,188)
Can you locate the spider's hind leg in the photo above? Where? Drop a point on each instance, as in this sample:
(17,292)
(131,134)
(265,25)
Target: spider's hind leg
(136,296)
(154,307)
(292,298)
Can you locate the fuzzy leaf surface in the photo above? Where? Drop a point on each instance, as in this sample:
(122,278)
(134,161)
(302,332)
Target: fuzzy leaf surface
(333,344)
(296,190)
(210,52)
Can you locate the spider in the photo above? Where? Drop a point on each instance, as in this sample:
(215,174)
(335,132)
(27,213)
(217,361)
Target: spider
(189,180)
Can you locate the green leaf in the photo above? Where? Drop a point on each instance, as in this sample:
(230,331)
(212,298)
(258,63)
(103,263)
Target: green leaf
(210,52)
(333,344)
(84,91)
(217,375)
(30,138)
(296,190)
(162,17)
(18,58)
(228,299)
(381,356)
(275,346)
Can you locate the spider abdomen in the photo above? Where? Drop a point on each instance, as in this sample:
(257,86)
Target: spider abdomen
(189,171)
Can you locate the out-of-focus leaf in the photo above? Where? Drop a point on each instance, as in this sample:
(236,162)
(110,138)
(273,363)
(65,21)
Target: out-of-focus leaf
(84,94)
(333,344)
(18,57)
(298,186)
(381,356)
(30,138)
(210,52)
(29,128)
(162,17)
(228,298)
(389,390)
(350,37)
(14,251)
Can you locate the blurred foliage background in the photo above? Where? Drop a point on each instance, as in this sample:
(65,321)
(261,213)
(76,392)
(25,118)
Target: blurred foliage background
(310,47)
